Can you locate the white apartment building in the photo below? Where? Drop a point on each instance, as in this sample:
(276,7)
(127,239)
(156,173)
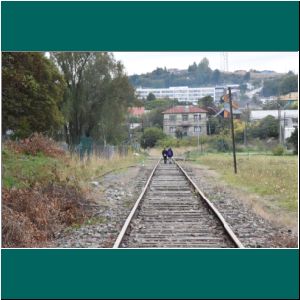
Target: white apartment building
(186,94)
(181,93)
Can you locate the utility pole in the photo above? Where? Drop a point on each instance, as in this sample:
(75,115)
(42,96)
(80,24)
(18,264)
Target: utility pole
(198,131)
(279,124)
(246,125)
(232,131)
(283,131)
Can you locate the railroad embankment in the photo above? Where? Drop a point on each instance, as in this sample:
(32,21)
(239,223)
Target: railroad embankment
(45,190)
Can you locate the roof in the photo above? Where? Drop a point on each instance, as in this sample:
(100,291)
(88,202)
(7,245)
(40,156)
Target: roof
(136,111)
(184,110)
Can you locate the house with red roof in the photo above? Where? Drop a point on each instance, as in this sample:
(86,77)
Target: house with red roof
(136,111)
(188,120)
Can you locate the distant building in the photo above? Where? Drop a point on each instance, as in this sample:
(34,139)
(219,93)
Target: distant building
(177,71)
(293,96)
(265,100)
(288,118)
(190,120)
(181,93)
(240,72)
(136,111)
(186,94)
(225,112)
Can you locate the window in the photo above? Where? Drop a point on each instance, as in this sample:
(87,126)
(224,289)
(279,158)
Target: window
(185,117)
(197,117)
(286,122)
(197,129)
(172,117)
(172,129)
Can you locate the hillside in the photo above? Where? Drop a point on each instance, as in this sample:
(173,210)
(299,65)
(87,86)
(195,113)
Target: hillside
(197,75)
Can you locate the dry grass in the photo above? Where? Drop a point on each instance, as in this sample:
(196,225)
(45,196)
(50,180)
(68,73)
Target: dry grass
(32,216)
(45,191)
(271,205)
(80,173)
(35,144)
(264,175)
(271,181)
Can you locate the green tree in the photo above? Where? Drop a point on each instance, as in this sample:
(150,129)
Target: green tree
(151,97)
(206,102)
(280,86)
(151,136)
(247,77)
(204,72)
(155,116)
(98,96)
(266,127)
(192,68)
(73,65)
(217,125)
(288,84)
(293,139)
(160,103)
(216,77)
(32,94)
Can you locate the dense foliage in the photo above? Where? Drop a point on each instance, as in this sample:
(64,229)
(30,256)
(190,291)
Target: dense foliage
(151,136)
(32,94)
(280,86)
(293,139)
(265,128)
(98,96)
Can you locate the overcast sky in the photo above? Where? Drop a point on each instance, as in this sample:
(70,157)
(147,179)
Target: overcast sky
(143,62)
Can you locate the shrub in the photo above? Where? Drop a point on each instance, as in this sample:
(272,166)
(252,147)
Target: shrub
(293,139)
(278,150)
(151,136)
(31,216)
(37,143)
(221,143)
(174,142)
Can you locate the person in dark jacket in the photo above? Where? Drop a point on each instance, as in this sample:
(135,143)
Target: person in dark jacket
(165,155)
(170,155)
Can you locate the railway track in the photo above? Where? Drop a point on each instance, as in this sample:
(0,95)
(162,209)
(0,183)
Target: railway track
(172,212)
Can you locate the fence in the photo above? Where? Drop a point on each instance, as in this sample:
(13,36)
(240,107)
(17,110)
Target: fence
(101,151)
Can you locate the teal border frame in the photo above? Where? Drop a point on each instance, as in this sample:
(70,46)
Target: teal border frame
(151,26)
(157,273)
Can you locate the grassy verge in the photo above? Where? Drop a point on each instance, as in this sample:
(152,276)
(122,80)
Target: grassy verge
(25,171)
(265,175)
(43,194)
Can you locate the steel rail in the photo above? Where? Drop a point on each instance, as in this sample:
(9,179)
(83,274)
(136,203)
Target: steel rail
(133,211)
(227,228)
